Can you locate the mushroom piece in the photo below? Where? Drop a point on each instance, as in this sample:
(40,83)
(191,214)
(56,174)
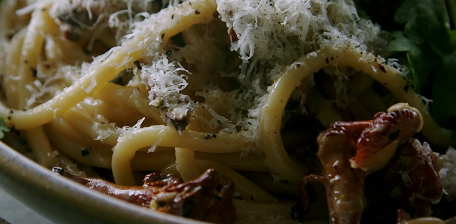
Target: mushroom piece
(349,151)
(166,193)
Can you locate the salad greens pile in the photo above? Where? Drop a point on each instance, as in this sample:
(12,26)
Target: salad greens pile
(430,47)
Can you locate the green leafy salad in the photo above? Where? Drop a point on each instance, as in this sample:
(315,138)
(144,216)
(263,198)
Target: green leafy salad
(423,35)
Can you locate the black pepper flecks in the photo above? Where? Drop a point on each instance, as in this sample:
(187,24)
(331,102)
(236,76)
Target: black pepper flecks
(406,88)
(34,71)
(85,151)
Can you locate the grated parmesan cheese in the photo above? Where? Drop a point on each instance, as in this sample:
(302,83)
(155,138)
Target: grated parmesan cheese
(165,81)
(117,16)
(267,31)
(104,130)
(93,83)
(280,32)
(270,35)
(283,30)
(447,171)
(127,131)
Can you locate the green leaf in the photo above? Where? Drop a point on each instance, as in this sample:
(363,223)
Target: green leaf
(452,44)
(426,21)
(402,13)
(443,92)
(430,47)
(3,128)
(422,60)
(400,42)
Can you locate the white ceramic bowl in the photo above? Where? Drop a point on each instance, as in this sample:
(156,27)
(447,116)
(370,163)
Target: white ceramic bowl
(64,201)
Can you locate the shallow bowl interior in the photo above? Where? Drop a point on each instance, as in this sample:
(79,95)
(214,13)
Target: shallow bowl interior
(64,201)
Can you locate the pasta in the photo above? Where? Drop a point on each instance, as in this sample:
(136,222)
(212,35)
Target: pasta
(186,86)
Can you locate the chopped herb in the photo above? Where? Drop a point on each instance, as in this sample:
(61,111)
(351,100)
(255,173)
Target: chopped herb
(85,151)
(138,64)
(34,71)
(3,128)
(406,88)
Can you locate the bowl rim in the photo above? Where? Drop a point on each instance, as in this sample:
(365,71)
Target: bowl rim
(17,172)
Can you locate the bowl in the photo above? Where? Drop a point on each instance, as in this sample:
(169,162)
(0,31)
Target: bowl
(64,201)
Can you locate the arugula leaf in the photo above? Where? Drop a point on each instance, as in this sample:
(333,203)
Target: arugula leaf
(3,128)
(426,21)
(430,46)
